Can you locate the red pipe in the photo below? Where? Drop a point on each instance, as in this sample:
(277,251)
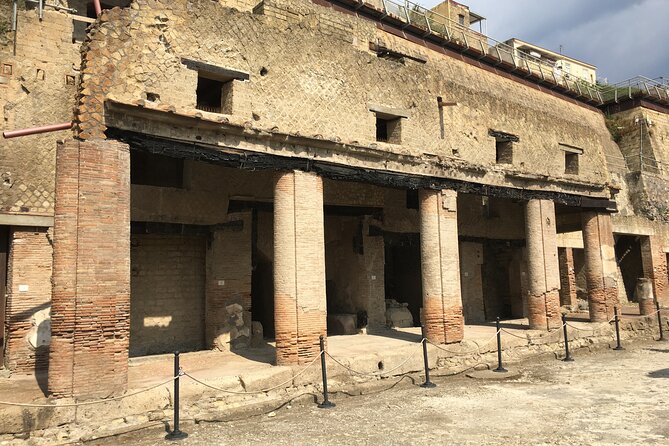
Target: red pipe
(98,8)
(36,130)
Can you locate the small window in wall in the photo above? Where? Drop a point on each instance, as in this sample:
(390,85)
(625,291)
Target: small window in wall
(503,152)
(461,19)
(215,86)
(156,170)
(388,123)
(388,129)
(504,143)
(571,158)
(213,95)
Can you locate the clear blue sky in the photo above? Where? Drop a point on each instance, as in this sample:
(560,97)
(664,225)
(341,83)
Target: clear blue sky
(622,38)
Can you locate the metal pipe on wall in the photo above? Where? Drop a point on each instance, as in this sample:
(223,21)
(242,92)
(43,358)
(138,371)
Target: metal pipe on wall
(37,130)
(15,21)
(98,8)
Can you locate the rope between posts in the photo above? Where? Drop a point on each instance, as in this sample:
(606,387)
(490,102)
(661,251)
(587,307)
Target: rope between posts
(478,347)
(248,392)
(638,316)
(379,373)
(531,339)
(89,403)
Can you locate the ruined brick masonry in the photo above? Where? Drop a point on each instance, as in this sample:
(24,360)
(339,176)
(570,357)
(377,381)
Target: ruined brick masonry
(328,180)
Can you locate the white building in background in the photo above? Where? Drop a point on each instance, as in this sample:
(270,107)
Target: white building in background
(562,65)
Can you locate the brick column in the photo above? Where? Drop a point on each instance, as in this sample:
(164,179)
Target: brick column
(600,265)
(543,303)
(440,266)
(299,267)
(654,261)
(568,294)
(90,310)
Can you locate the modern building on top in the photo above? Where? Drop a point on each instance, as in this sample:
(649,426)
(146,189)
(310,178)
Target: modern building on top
(564,65)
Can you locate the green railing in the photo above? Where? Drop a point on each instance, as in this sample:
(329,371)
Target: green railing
(635,87)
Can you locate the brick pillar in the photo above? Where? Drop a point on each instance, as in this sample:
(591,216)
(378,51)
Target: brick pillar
(90,310)
(543,303)
(600,265)
(299,267)
(654,261)
(440,266)
(568,294)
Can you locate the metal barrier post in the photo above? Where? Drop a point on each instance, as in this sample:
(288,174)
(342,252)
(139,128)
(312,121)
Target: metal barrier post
(617,320)
(499,368)
(567,355)
(659,321)
(326,404)
(427,384)
(176,434)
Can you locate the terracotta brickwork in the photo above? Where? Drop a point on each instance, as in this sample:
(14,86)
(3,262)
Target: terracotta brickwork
(442,303)
(654,261)
(600,265)
(568,295)
(543,303)
(28,300)
(299,267)
(91,270)
(229,274)
(167,293)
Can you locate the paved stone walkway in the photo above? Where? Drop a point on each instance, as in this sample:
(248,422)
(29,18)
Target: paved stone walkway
(608,398)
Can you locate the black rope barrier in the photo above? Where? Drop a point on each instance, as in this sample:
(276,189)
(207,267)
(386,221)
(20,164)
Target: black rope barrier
(176,433)
(619,345)
(326,404)
(500,368)
(567,355)
(427,384)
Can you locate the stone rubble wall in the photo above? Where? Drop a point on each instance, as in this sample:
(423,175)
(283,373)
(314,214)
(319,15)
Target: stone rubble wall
(306,80)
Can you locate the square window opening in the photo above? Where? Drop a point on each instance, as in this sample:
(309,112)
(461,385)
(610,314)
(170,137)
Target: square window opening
(389,129)
(214,96)
(504,151)
(571,163)
(461,19)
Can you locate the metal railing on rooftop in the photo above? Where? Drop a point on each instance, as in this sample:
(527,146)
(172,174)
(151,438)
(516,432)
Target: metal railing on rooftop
(636,86)
(435,23)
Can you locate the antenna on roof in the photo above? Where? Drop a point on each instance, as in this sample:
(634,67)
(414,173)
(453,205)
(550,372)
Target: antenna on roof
(560,49)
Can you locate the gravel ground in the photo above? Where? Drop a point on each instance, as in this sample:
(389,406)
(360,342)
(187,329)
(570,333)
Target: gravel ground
(607,398)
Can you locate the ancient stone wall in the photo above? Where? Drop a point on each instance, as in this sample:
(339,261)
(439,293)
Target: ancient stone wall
(229,274)
(37,87)
(29,300)
(167,294)
(312,82)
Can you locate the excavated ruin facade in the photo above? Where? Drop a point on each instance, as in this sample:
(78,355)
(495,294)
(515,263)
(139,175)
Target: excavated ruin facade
(241,172)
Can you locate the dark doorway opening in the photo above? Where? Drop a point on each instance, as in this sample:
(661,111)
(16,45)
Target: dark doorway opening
(403,281)
(262,276)
(628,257)
(502,288)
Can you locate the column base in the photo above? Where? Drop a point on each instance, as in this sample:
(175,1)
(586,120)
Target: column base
(646,307)
(445,328)
(601,302)
(544,311)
